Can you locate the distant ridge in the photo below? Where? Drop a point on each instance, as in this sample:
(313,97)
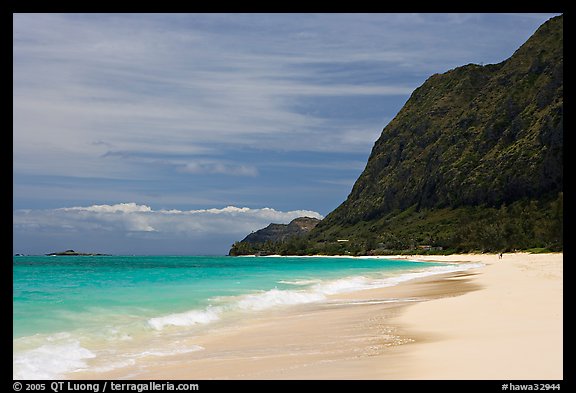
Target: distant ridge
(471,136)
(274,233)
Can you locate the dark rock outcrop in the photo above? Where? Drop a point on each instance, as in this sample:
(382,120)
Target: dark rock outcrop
(276,238)
(73,253)
(281,232)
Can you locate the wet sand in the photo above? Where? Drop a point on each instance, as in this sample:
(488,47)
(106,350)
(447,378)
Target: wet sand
(501,321)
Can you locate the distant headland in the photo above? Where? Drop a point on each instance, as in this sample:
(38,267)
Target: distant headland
(74,253)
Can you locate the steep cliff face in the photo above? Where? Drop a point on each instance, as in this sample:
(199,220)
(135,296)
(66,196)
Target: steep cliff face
(473,161)
(474,135)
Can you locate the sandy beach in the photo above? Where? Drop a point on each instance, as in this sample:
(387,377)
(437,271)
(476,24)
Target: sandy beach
(501,321)
(511,328)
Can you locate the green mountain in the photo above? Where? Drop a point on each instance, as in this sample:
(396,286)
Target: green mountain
(473,161)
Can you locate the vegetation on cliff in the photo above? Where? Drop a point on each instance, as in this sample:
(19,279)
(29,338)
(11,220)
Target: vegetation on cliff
(473,161)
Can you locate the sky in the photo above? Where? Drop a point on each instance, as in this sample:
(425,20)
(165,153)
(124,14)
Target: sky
(182,133)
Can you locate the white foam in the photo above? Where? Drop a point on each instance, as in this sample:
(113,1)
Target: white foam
(54,356)
(348,284)
(433,270)
(299,282)
(276,297)
(61,355)
(188,318)
(318,292)
(357,283)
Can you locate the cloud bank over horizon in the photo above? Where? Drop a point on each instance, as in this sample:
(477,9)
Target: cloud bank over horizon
(132,221)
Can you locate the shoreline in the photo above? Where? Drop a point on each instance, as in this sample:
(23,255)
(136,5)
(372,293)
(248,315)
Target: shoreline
(512,328)
(444,326)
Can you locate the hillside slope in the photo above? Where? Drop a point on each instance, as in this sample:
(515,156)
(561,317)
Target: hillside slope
(477,146)
(256,242)
(473,161)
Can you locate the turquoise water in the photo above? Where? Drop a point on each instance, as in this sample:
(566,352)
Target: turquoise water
(70,311)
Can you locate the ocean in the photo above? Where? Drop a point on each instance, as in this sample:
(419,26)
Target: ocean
(98,313)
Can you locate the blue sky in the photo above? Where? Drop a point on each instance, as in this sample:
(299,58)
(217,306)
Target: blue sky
(181,133)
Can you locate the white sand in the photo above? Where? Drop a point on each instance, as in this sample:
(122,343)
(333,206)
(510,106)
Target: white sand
(509,329)
(502,321)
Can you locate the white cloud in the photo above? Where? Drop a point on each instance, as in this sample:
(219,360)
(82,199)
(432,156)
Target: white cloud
(173,84)
(131,218)
(148,84)
(130,207)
